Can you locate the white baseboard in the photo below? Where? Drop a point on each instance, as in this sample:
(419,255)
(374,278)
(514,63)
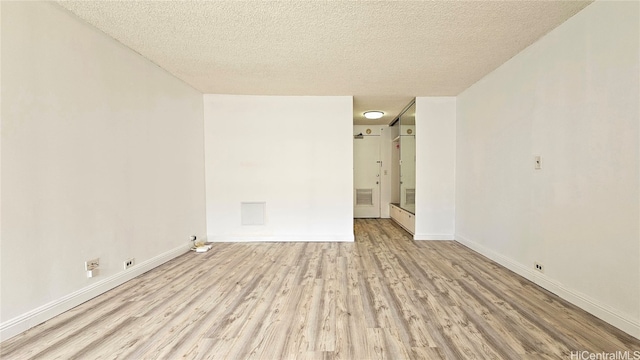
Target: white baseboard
(281,238)
(47,311)
(594,307)
(433,237)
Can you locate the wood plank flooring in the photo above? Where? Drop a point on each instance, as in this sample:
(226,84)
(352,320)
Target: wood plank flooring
(383,297)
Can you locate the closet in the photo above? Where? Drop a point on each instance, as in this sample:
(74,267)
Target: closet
(403,170)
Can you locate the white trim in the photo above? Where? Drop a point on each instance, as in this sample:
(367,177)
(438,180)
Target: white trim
(433,237)
(281,238)
(47,311)
(594,307)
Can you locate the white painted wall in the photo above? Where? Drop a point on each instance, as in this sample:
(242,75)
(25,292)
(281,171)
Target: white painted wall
(102,156)
(435,168)
(573,98)
(271,149)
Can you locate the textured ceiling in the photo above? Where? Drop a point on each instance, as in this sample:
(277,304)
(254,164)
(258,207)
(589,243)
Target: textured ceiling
(382,53)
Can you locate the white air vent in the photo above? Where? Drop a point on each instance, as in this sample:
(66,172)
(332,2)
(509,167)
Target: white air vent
(410,197)
(364,197)
(252,213)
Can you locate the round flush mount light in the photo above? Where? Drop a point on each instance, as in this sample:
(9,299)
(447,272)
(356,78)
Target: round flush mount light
(373,114)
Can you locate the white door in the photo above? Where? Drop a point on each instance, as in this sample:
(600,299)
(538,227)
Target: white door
(366,176)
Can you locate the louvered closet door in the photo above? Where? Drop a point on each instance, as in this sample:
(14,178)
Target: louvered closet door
(366,177)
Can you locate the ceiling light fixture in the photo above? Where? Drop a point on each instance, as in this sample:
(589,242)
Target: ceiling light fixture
(373,114)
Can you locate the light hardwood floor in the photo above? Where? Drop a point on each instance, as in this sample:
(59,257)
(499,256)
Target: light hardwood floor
(383,297)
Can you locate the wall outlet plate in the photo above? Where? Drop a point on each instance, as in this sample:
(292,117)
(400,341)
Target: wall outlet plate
(91,264)
(129,263)
(538,267)
(537,162)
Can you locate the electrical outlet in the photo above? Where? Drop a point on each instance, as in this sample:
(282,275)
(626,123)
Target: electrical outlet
(129,263)
(539,267)
(91,267)
(91,264)
(537,162)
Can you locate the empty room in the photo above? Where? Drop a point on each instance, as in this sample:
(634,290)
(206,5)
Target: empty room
(320,180)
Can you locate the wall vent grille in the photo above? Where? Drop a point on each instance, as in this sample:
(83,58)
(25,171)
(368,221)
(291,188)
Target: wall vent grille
(252,213)
(410,197)
(364,197)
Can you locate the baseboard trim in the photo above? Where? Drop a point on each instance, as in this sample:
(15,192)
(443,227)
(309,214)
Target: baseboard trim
(433,237)
(281,238)
(592,306)
(47,311)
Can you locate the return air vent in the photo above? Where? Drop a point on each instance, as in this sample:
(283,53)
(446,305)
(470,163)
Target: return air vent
(252,213)
(410,196)
(364,197)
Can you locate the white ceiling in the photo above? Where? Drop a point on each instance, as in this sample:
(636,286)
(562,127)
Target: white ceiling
(382,53)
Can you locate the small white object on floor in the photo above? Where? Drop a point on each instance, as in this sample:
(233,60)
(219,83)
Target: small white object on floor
(203,248)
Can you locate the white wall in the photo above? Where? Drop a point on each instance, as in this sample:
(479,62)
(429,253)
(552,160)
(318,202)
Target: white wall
(102,156)
(573,98)
(294,153)
(435,168)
